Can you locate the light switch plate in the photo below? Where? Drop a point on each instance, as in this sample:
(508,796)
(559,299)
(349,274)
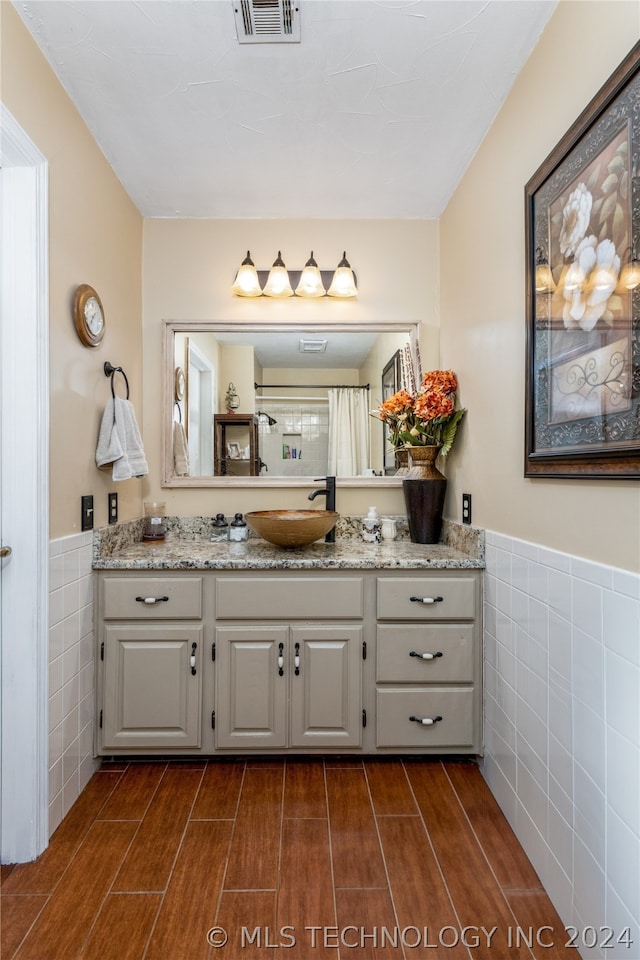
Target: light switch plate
(86,515)
(112,507)
(466,508)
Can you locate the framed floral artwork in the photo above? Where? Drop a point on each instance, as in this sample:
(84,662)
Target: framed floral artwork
(582,217)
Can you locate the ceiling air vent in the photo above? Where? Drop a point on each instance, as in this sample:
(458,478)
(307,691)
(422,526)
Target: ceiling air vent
(312,346)
(267,21)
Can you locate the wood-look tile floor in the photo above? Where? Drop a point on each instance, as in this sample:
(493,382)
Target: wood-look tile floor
(312,859)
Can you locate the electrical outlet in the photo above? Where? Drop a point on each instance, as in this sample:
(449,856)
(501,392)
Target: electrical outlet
(86,515)
(466,508)
(113,507)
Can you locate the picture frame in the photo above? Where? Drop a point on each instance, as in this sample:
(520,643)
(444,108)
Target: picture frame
(582,237)
(233,451)
(391,379)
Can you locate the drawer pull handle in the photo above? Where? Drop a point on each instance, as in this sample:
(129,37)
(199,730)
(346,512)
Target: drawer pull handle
(426,721)
(281,659)
(192,658)
(152,599)
(296,660)
(426,599)
(426,656)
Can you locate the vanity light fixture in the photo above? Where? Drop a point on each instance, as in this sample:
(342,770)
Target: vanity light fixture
(343,284)
(544,278)
(246,283)
(278,283)
(630,275)
(310,282)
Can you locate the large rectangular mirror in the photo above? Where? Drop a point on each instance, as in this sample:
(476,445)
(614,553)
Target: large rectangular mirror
(276,405)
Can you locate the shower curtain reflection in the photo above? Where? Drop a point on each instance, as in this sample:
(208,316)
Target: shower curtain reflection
(349,425)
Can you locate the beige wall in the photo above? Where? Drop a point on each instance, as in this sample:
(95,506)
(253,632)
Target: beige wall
(483,317)
(95,237)
(188,268)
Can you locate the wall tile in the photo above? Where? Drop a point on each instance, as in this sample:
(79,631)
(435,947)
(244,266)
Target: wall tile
(588,670)
(621,625)
(71,654)
(623,779)
(562,730)
(623,862)
(587,608)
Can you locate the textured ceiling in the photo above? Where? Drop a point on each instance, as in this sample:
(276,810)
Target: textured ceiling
(376,113)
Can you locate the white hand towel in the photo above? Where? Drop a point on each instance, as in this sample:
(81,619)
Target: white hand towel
(119,441)
(181,464)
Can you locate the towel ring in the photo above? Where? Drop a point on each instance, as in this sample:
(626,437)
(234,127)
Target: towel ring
(110,371)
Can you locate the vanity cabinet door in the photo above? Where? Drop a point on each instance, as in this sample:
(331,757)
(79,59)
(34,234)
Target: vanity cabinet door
(251,686)
(152,686)
(326,699)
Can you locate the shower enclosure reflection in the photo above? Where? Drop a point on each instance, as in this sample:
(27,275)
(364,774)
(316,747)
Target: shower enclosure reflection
(305,398)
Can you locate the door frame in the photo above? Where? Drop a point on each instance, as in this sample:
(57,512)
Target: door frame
(24,481)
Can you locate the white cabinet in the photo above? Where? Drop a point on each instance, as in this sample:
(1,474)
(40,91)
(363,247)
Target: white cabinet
(320,661)
(296,684)
(152,686)
(429,663)
(151,660)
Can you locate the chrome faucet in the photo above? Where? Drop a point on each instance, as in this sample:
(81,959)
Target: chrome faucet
(330,493)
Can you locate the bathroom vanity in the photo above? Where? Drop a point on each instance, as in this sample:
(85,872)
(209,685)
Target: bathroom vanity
(233,648)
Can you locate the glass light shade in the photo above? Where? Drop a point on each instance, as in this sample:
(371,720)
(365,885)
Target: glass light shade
(574,277)
(278,284)
(310,283)
(603,279)
(630,276)
(544,279)
(343,283)
(247,283)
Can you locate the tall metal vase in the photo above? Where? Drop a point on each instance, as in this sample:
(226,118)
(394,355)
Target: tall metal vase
(402,462)
(424,490)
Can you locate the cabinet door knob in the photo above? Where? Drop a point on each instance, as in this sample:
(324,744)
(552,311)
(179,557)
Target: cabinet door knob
(192,658)
(281,659)
(426,656)
(5,551)
(426,599)
(152,599)
(296,660)
(426,721)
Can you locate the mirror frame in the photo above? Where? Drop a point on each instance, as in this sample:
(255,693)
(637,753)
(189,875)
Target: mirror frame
(172,327)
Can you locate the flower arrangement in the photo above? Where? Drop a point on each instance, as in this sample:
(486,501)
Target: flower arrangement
(427,419)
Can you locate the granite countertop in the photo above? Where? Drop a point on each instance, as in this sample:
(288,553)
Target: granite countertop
(187,547)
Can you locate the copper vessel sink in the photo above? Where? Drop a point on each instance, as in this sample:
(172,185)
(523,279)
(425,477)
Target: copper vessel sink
(291,528)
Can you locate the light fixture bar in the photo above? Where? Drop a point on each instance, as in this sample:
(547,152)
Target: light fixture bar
(309,283)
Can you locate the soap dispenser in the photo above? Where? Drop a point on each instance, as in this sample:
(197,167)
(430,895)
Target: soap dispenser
(371,527)
(220,529)
(238,528)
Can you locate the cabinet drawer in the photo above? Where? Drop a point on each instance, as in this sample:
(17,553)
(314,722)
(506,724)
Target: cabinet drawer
(291,598)
(451,598)
(425,653)
(454,704)
(177,598)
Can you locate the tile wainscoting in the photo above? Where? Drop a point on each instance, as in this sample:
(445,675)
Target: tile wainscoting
(562,730)
(71,656)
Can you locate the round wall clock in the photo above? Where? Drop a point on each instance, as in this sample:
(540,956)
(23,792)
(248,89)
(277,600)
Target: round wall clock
(179,383)
(88,315)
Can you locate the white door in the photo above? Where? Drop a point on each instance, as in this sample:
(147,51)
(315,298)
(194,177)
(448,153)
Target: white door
(24,495)
(201,409)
